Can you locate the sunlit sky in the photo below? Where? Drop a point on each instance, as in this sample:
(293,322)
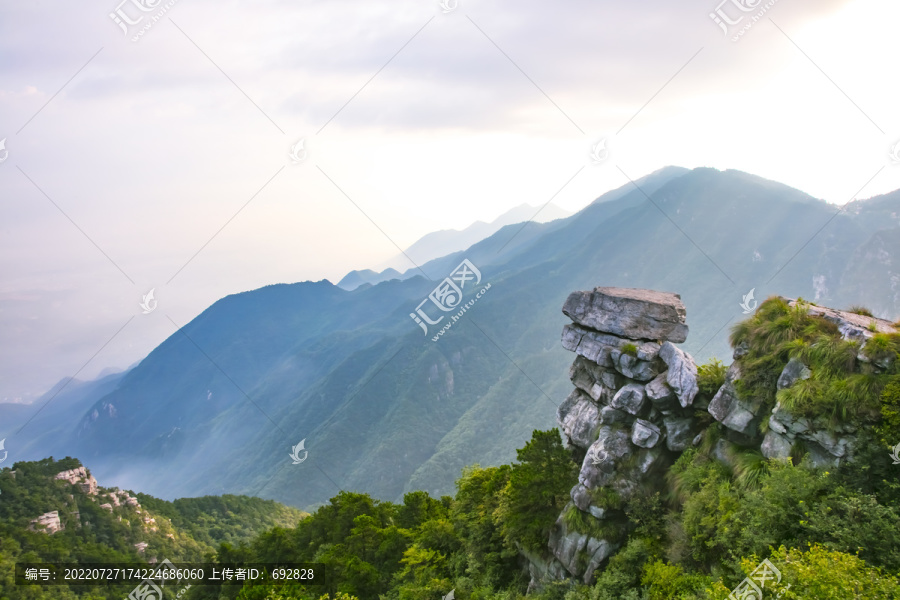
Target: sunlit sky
(164,162)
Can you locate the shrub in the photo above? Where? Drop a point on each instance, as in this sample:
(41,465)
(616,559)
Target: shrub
(821,574)
(710,377)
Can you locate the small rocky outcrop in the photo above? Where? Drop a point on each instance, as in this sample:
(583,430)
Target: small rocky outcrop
(48,523)
(81,478)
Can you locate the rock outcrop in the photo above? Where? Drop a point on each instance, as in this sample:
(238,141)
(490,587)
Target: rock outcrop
(635,407)
(47,523)
(628,416)
(81,478)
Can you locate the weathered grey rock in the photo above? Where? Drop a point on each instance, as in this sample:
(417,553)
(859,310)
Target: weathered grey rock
(613,445)
(783,422)
(599,383)
(741,350)
(598,551)
(793,372)
(597,512)
(775,445)
(646,459)
(645,434)
(611,416)
(819,458)
(660,394)
(581,497)
(606,351)
(697,439)
(633,367)
(579,418)
(542,569)
(566,545)
(836,445)
(633,313)
(631,398)
(596,346)
(731,411)
(679,432)
(682,374)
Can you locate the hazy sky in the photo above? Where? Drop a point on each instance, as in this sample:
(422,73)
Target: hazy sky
(164,162)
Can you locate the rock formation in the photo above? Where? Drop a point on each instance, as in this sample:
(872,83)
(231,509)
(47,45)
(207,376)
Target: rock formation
(629,415)
(81,478)
(47,523)
(635,408)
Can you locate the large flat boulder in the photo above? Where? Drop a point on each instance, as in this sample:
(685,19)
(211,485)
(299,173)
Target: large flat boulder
(636,314)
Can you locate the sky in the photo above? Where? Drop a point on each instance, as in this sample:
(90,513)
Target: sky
(200,149)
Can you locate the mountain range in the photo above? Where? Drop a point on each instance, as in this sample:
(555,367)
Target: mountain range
(380,407)
(447,241)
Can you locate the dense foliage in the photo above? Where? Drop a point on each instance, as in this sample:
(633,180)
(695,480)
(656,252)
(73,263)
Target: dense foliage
(186,530)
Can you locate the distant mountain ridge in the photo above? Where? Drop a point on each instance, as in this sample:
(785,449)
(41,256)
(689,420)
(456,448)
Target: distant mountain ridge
(448,241)
(217,406)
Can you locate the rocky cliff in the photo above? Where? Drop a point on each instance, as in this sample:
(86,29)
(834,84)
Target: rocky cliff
(635,407)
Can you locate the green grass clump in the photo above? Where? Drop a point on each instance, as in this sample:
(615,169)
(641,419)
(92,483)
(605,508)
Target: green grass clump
(600,529)
(606,498)
(629,349)
(882,346)
(710,377)
(860,310)
(839,387)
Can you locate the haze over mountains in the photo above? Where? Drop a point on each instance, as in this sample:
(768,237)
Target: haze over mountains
(382,408)
(447,241)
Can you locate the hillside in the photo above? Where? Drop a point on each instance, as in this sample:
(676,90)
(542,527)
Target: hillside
(55,511)
(380,407)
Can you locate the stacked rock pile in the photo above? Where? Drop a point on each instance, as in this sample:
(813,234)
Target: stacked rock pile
(629,416)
